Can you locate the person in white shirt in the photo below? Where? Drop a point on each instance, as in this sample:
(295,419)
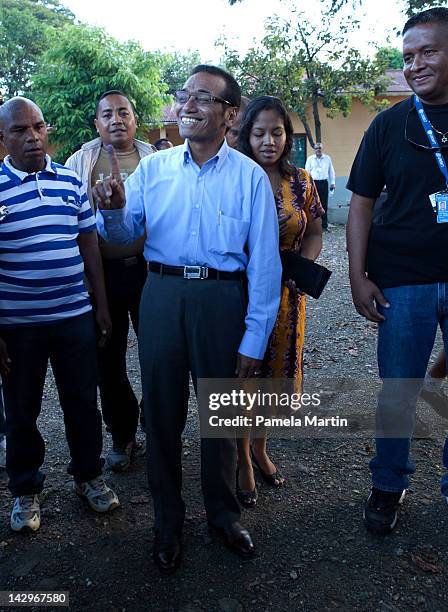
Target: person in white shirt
(321,169)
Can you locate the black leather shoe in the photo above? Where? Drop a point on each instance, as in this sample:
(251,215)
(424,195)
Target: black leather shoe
(166,553)
(236,538)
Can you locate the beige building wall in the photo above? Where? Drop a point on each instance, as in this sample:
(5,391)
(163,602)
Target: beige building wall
(169,131)
(341,135)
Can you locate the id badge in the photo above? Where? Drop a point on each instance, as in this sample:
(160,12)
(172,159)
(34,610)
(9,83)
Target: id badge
(442,206)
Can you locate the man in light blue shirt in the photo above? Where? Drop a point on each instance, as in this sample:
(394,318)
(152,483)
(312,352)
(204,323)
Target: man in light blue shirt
(210,216)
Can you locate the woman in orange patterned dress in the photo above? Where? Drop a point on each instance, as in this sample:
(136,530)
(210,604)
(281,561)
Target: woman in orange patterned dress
(266,135)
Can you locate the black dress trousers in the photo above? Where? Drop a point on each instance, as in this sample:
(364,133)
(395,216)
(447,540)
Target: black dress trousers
(187,325)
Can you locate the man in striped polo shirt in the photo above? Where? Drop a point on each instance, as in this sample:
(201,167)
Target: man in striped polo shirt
(47,242)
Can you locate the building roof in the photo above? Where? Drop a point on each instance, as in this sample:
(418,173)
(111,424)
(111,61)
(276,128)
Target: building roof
(167,115)
(397,84)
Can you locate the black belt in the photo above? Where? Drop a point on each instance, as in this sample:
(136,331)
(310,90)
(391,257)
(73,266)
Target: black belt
(200,272)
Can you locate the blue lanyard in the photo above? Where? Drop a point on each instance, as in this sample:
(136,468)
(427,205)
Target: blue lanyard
(431,137)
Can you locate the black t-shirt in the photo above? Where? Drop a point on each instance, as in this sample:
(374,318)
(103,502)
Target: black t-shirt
(406,244)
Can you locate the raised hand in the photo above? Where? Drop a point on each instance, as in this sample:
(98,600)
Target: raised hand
(109,194)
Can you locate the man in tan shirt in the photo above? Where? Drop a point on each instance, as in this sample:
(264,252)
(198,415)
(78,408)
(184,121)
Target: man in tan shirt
(124,270)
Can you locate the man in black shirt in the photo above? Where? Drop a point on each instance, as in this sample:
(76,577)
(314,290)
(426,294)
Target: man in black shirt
(399,265)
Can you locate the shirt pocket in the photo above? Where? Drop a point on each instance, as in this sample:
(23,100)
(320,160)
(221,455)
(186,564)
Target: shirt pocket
(61,205)
(229,235)
(72,203)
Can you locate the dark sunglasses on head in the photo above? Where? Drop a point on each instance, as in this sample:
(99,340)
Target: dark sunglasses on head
(201,97)
(418,144)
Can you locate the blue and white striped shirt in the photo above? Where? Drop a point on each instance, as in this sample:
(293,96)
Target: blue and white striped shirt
(41,269)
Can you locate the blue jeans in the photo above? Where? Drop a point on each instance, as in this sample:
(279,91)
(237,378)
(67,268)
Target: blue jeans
(405,342)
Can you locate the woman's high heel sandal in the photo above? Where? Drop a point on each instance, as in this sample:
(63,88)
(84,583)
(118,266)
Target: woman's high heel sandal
(248,499)
(274,480)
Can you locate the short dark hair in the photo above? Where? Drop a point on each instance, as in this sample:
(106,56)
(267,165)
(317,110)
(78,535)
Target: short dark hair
(438,14)
(232,91)
(160,141)
(252,111)
(113,92)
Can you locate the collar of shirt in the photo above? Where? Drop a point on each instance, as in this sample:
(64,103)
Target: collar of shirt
(217,160)
(18,176)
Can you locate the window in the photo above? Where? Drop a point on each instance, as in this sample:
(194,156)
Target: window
(298,155)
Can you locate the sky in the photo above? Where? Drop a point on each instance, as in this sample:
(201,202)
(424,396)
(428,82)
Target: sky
(196,24)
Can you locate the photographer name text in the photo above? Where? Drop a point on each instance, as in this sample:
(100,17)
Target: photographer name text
(264,421)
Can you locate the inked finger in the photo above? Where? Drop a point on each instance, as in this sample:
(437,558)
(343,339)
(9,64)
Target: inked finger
(114,165)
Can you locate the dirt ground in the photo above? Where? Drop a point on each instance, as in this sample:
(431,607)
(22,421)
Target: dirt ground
(313,552)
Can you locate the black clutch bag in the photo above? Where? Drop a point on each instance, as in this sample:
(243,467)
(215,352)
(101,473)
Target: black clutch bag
(308,276)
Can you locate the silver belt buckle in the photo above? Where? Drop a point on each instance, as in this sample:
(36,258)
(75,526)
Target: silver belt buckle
(195,272)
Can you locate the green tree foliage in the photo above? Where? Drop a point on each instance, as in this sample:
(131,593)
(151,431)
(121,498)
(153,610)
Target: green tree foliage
(175,68)
(415,6)
(24,28)
(303,64)
(391,57)
(411,6)
(83,62)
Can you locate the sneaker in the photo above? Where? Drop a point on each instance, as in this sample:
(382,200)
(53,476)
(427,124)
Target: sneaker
(98,495)
(381,510)
(120,457)
(437,400)
(3,453)
(25,514)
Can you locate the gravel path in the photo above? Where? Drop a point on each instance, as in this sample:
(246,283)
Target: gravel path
(313,551)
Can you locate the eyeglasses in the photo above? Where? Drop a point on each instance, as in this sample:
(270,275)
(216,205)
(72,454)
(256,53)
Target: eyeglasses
(200,97)
(417,144)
